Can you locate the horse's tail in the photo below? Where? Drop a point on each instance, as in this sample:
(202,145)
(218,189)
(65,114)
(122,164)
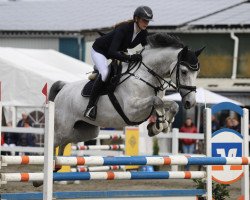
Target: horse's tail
(55,88)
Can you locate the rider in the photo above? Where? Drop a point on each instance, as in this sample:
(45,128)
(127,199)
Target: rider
(126,35)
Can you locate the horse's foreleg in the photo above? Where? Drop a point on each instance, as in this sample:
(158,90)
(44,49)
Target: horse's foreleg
(158,104)
(154,128)
(171,109)
(144,104)
(165,113)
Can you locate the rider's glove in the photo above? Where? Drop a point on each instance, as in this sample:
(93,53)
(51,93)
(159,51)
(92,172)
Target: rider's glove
(135,58)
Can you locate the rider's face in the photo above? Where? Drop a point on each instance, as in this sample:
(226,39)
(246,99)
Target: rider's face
(142,23)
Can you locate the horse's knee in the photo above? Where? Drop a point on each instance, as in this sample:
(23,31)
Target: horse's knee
(157,102)
(174,107)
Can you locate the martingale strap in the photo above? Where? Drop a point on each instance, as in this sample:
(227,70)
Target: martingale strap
(118,108)
(116,103)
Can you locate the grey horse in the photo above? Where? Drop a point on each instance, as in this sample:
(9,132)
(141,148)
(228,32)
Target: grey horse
(165,62)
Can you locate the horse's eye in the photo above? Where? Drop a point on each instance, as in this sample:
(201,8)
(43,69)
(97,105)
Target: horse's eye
(184,72)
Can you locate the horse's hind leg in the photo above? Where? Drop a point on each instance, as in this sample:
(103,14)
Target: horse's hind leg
(60,153)
(84,131)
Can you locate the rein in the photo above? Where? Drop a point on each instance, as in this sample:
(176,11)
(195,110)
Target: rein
(178,86)
(133,65)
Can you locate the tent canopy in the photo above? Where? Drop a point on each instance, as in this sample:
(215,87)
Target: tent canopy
(24,72)
(204,96)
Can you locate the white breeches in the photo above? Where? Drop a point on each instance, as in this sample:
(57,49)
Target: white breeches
(101,64)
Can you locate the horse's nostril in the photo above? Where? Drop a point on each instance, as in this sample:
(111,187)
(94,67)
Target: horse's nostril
(187,104)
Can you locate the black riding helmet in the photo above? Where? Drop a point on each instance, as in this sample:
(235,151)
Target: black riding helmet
(144,12)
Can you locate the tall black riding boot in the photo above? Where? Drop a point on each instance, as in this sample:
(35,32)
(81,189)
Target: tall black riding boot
(91,109)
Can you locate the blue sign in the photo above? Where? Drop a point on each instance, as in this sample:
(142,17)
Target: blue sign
(230,149)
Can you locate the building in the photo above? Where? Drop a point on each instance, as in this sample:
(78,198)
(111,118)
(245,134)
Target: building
(70,27)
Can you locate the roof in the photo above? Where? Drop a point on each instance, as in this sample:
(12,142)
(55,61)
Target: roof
(236,16)
(24,72)
(82,15)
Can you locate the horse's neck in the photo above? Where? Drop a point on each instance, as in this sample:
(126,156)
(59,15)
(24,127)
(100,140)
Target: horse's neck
(158,60)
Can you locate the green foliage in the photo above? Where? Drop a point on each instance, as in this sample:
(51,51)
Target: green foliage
(156,151)
(220,191)
(155,147)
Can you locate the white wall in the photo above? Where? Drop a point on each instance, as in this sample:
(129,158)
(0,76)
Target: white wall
(88,47)
(30,43)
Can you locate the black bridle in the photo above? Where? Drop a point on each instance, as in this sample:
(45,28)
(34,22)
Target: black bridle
(180,86)
(163,83)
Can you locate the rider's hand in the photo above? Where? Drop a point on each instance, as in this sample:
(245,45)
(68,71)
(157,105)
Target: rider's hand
(135,58)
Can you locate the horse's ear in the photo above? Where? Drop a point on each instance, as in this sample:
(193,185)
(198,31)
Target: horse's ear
(198,52)
(183,52)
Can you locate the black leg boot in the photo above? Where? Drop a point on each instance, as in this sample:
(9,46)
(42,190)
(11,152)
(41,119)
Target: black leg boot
(91,109)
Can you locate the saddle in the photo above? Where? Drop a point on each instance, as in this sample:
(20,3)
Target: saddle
(115,69)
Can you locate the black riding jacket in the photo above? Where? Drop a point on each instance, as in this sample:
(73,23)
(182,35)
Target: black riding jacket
(119,40)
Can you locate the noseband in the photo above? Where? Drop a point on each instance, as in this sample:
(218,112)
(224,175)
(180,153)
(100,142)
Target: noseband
(180,86)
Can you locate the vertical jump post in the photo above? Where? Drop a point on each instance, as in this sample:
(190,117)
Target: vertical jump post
(48,151)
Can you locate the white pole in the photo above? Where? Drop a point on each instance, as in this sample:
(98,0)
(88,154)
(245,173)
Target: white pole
(235,56)
(14,116)
(208,132)
(244,132)
(0,132)
(48,151)
(198,117)
(175,146)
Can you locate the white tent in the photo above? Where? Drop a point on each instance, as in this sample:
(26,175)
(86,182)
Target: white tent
(24,72)
(204,96)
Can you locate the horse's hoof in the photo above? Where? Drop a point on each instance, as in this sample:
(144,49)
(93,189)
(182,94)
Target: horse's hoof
(166,130)
(166,124)
(37,183)
(150,131)
(153,129)
(151,134)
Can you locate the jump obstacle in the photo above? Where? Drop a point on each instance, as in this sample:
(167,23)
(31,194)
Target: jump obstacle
(127,160)
(80,149)
(220,144)
(129,138)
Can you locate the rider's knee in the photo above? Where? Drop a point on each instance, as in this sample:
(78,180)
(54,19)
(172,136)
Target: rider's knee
(104,74)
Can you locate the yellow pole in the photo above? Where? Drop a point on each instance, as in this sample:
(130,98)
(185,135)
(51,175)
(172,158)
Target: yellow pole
(131,143)
(66,152)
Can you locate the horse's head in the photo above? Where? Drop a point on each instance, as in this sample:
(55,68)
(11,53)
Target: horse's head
(184,72)
(166,54)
